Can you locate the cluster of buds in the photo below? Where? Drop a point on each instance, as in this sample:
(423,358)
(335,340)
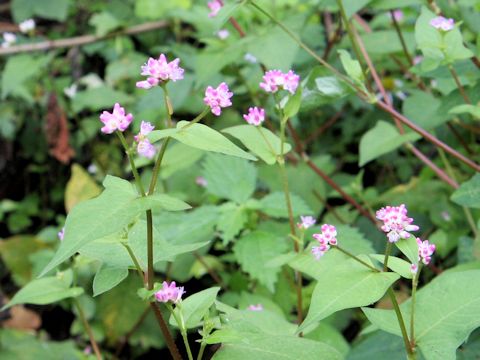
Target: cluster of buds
(160,71)
(144,147)
(396,223)
(169,293)
(326,238)
(215,6)
(425,251)
(443,24)
(218,98)
(255,116)
(306,222)
(273,80)
(116,120)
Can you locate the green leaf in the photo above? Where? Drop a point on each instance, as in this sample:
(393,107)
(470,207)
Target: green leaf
(46,291)
(107,214)
(18,70)
(253,251)
(269,347)
(103,22)
(107,278)
(231,220)
(48,9)
(254,139)
(380,140)
(473,110)
(195,306)
(99,98)
(382,42)
(349,285)
(376,345)
(274,205)
(293,104)
(409,248)
(468,194)
(400,266)
(201,137)
(229,178)
(444,314)
(352,67)
(152,9)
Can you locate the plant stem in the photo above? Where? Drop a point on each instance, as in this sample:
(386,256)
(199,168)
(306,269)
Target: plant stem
(355,258)
(401,38)
(203,344)
(181,325)
(168,105)
(166,333)
(197,119)
(388,249)
(88,329)
(401,323)
(412,313)
(459,85)
(136,175)
(135,262)
(259,128)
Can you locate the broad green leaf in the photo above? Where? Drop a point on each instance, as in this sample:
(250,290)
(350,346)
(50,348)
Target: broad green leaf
(81,186)
(347,286)
(400,266)
(252,251)
(293,104)
(424,109)
(99,98)
(444,314)
(18,70)
(107,214)
(376,345)
(194,307)
(46,291)
(201,137)
(255,139)
(24,345)
(409,248)
(327,334)
(229,178)
(352,67)
(210,62)
(268,347)
(103,22)
(383,42)
(48,9)
(380,140)
(348,237)
(473,110)
(468,194)
(274,205)
(106,278)
(152,9)
(231,220)
(120,309)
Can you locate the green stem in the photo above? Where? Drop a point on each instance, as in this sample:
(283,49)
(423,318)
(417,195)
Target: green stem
(88,329)
(355,258)
(412,313)
(136,175)
(388,249)
(401,38)
(198,118)
(203,344)
(181,325)
(259,128)
(459,85)
(135,262)
(351,36)
(408,348)
(168,105)
(156,167)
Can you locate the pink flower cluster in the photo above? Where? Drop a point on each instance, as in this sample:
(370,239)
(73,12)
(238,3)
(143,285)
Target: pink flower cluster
(306,222)
(158,71)
(396,223)
(326,238)
(275,79)
(215,6)
(255,116)
(170,293)
(425,251)
(441,23)
(117,120)
(145,147)
(218,98)
(258,307)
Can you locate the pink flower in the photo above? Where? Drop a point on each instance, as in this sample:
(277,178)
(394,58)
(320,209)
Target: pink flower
(218,98)
(144,147)
(255,116)
(273,79)
(215,7)
(169,293)
(61,234)
(441,23)
(425,251)
(258,307)
(397,15)
(306,222)
(160,70)
(223,34)
(117,120)
(417,59)
(326,238)
(201,181)
(396,223)
(414,268)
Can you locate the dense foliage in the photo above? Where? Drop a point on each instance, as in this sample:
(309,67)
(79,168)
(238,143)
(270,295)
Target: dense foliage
(166,168)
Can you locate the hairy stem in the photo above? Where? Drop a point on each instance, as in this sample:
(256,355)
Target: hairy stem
(388,249)
(136,175)
(172,347)
(135,262)
(412,313)
(88,329)
(401,323)
(181,325)
(400,37)
(459,85)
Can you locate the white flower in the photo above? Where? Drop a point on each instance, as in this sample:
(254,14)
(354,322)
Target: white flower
(27,26)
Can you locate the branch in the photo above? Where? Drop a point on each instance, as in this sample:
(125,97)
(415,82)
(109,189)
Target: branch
(82,40)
